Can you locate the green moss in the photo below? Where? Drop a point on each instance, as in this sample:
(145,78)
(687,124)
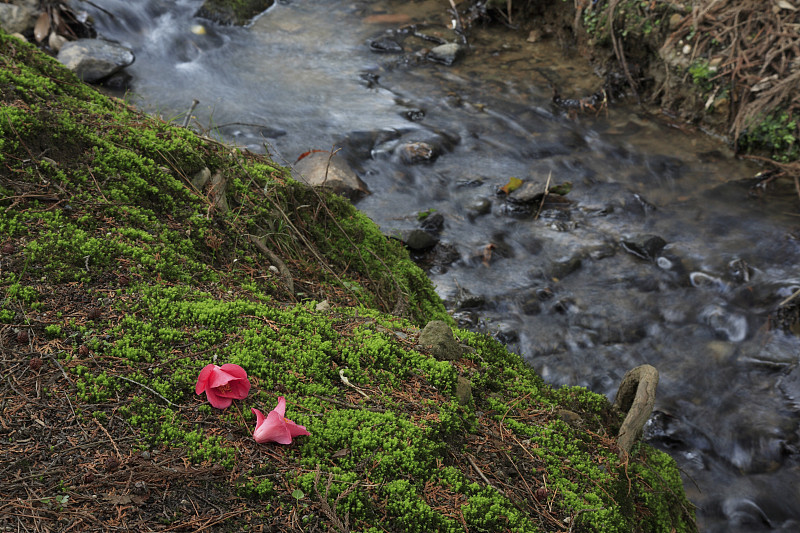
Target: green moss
(53,331)
(662,497)
(411,513)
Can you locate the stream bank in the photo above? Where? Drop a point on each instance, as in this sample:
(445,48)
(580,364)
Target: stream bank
(730,68)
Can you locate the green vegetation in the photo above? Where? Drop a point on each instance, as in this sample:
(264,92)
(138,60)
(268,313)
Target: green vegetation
(776,134)
(131,278)
(701,74)
(722,59)
(631,18)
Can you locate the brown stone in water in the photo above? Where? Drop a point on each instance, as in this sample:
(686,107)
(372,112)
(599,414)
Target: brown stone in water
(417,152)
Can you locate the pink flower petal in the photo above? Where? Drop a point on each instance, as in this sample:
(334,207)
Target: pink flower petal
(217,400)
(223,384)
(275,427)
(234,370)
(281,407)
(219,378)
(239,389)
(295,430)
(271,429)
(202,379)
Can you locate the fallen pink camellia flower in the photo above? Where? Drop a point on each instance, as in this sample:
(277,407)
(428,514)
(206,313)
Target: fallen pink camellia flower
(223,384)
(275,427)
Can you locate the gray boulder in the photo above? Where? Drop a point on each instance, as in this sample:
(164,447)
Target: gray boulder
(418,239)
(529,192)
(93,59)
(18,17)
(438,335)
(319,169)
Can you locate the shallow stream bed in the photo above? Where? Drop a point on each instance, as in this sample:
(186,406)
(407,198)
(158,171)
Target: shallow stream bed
(662,252)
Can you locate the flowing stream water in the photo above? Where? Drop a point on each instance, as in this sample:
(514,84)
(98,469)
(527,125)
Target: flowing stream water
(665,253)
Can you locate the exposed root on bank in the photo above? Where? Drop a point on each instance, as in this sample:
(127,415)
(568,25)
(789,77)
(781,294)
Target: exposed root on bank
(760,46)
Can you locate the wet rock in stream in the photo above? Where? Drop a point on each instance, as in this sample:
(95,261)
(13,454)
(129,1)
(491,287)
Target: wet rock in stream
(478,207)
(447,54)
(418,239)
(417,152)
(386,45)
(237,13)
(644,247)
(439,259)
(432,222)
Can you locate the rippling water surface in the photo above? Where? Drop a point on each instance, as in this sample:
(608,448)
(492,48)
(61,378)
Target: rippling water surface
(664,254)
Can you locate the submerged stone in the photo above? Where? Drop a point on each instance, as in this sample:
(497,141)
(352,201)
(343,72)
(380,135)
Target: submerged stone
(446,53)
(644,247)
(386,45)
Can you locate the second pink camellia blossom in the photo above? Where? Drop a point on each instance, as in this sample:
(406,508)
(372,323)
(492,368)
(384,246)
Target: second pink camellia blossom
(223,384)
(275,427)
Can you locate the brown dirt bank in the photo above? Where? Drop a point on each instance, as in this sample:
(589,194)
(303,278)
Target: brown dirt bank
(729,67)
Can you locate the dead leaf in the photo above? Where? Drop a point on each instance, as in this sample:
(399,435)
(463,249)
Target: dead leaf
(512,185)
(786,5)
(42,28)
(341,453)
(306,154)
(118,499)
(58,22)
(486,256)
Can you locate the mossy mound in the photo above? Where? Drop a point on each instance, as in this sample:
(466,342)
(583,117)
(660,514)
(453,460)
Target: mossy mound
(125,271)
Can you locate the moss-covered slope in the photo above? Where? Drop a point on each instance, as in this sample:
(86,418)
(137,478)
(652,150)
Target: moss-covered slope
(125,269)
